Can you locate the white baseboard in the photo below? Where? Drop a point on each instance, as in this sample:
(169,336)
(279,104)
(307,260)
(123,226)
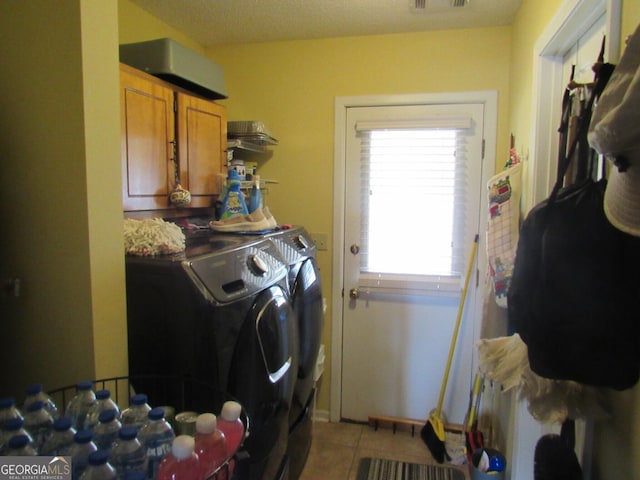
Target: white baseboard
(321,416)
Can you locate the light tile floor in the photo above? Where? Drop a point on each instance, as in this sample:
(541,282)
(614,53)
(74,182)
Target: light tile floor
(337,448)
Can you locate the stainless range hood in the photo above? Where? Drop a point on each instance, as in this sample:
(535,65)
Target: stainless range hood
(177,64)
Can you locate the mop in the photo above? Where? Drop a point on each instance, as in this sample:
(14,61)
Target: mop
(432,432)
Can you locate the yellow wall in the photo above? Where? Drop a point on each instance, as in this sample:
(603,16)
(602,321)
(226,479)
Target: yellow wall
(292,86)
(62,212)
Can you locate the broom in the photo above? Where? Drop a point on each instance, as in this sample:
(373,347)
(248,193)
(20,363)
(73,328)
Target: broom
(433,431)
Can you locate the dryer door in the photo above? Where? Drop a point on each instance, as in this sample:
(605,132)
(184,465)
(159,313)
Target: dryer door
(306,300)
(261,377)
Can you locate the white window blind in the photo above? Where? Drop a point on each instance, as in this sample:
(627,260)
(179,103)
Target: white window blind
(414,203)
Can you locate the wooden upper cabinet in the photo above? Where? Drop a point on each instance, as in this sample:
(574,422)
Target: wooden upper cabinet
(164,127)
(202,142)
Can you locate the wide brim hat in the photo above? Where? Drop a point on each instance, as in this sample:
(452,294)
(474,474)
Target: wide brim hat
(615,132)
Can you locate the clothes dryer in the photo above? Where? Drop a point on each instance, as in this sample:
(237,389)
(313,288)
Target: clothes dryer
(305,290)
(220,313)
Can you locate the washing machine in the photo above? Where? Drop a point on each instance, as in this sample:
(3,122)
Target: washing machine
(305,295)
(220,313)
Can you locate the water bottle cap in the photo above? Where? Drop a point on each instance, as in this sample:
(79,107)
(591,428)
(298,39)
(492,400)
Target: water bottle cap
(86,385)
(62,424)
(128,433)
(107,416)
(183,446)
(206,423)
(18,441)
(103,394)
(83,436)
(231,411)
(156,413)
(34,389)
(7,402)
(99,457)
(12,424)
(139,399)
(37,405)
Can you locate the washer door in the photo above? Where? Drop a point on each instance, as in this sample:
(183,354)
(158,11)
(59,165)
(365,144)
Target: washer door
(262,376)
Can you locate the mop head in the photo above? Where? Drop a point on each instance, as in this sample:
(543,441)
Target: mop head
(505,361)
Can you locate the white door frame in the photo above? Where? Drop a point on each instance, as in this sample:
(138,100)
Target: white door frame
(569,23)
(490,101)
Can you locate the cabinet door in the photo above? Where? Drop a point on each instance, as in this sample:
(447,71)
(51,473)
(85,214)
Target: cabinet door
(202,143)
(147,122)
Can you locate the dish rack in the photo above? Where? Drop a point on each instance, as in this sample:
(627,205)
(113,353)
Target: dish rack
(180,393)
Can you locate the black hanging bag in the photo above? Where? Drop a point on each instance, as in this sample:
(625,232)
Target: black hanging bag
(574,296)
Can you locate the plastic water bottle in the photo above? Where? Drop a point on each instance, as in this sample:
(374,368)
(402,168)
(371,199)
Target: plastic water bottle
(230,424)
(103,402)
(128,453)
(79,452)
(38,423)
(99,467)
(34,393)
(105,433)
(19,446)
(157,437)
(8,409)
(255,198)
(211,446)
(80,404)
(182,463)
(138,411)
(61,439)
(11,428)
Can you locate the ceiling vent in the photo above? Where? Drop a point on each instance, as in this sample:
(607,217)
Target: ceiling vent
(436,5)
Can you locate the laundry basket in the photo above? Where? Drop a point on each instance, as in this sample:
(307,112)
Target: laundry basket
(180,393)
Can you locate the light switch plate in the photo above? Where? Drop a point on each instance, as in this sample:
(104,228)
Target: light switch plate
(321,240)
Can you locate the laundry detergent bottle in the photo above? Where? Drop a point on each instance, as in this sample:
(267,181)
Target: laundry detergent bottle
(233,203)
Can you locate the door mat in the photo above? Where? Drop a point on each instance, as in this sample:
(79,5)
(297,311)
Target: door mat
(381,469)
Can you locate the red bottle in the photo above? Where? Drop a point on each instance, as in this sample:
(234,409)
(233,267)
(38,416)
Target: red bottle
(230,424)
(182,463)
(211,445)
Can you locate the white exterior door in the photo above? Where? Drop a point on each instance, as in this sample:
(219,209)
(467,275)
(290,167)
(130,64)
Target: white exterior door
(397,327)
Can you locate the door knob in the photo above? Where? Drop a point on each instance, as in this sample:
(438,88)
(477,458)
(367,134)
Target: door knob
(355,248)
(354,293)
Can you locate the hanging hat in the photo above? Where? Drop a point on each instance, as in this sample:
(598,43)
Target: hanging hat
(615,132)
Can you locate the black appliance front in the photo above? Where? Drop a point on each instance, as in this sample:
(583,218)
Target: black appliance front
(246,345)
(298,251)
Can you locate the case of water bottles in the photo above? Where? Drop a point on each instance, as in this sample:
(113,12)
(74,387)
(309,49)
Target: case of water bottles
(125,416)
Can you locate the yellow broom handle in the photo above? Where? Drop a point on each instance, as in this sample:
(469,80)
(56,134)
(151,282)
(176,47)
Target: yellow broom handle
(454,338)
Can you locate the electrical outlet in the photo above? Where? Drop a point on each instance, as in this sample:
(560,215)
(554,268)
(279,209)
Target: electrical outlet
(321,240)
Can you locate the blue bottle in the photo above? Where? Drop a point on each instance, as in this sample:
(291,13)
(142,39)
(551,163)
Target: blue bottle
(80,404)
(255,198)
(99,467)
(8,409)
(11,428)
(157,437)
(19,446)
(79,452)
(34,393)
(137,413)
(127,453)
(105,433)
(103,402)
(233,203)
(38,423)
(60,441)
